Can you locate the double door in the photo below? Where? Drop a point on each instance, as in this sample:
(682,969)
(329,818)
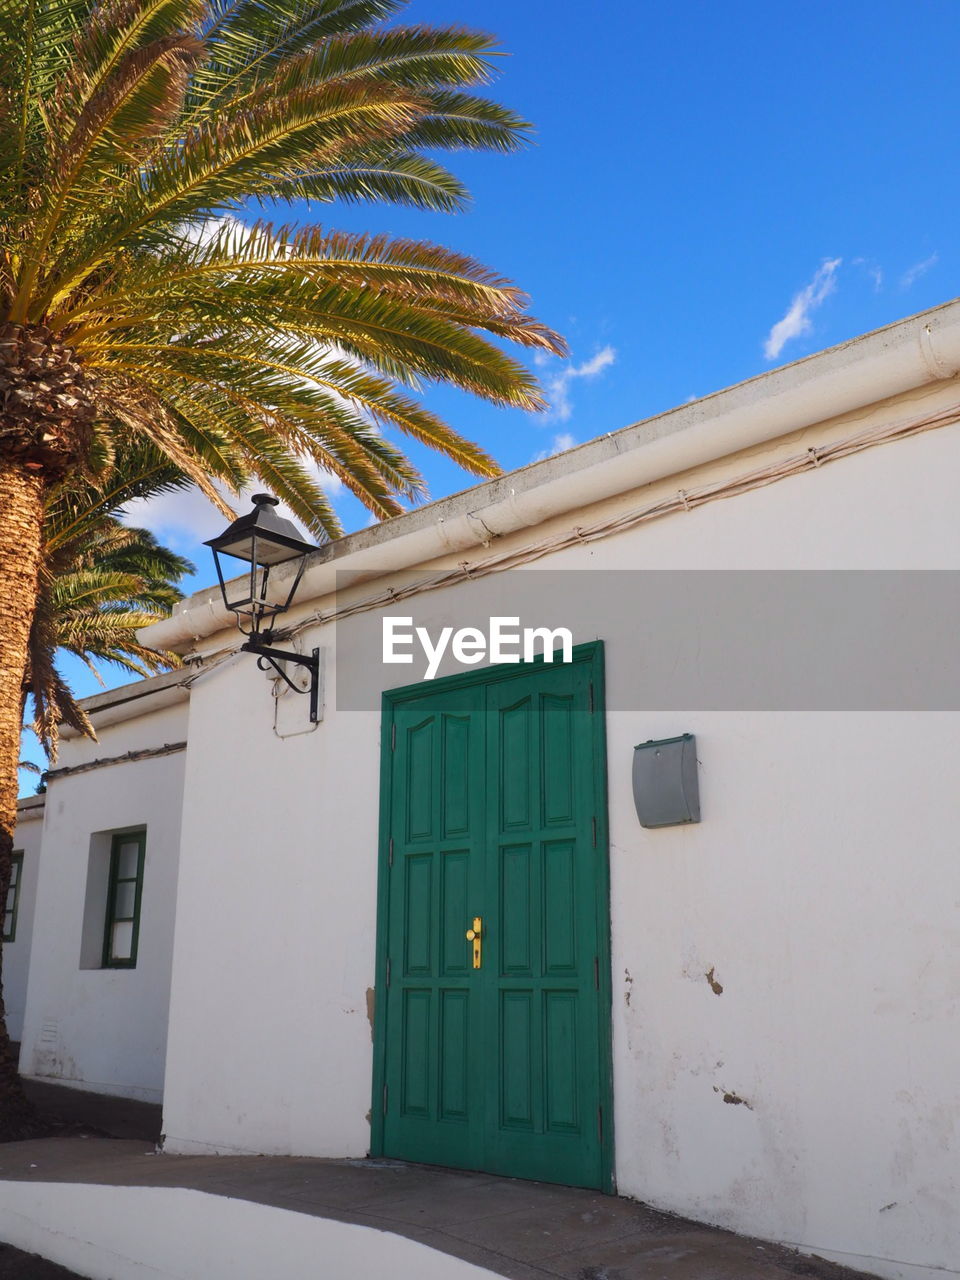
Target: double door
(493,1007)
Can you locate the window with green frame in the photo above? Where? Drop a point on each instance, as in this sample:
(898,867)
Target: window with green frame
(13,899)
(124,891)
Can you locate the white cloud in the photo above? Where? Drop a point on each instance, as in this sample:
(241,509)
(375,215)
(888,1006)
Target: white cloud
(561,443)
(913,274)
(185,517)
(797,320)
(590,368)
(203,231)
(180,518)
(558,386)
(872,270)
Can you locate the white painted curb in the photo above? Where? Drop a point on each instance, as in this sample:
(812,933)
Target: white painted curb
(172,1233)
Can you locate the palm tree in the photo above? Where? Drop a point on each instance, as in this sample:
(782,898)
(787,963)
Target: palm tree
(100,581)
(132,306)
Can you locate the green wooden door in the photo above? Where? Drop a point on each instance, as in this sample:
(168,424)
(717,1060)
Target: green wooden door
(493,798)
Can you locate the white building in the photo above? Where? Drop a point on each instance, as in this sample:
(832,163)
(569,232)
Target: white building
(98,991)
(751,1020)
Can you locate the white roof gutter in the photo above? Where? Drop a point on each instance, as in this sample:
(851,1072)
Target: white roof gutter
(885,363)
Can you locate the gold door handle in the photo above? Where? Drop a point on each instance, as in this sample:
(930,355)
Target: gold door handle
(475,935)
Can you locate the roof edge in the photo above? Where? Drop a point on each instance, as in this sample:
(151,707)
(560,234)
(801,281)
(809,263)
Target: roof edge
(865,370)
(134,699)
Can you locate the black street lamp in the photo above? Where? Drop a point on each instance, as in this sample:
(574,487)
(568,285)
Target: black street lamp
(264,539)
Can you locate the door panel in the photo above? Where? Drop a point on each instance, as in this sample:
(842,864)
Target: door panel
(434,868)
(542,1113)
(493,796)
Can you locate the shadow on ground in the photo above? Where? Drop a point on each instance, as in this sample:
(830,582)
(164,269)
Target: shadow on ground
(15,1265)
(94,1113)
(520,1230)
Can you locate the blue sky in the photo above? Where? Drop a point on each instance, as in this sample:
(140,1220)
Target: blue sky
(713,190)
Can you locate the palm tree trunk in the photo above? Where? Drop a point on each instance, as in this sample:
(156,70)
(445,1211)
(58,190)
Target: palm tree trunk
(21,519)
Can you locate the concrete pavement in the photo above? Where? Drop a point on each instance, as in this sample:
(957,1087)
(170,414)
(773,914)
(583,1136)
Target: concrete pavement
(520,1230)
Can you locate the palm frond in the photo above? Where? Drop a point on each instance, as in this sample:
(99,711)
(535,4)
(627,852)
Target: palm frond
(247,39)
(36,43)
(134,136)
(77,507)
(224,162)
(101,580)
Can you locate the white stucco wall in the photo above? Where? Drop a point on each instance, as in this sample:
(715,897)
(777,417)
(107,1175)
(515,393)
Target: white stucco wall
(821,888)
(105,1029)
(16,954)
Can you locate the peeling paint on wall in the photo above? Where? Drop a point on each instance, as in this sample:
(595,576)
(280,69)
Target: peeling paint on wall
(371,1005)
(733,1099)
(711,977)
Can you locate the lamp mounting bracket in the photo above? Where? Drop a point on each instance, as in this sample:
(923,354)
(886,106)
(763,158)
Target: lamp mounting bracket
(273,657)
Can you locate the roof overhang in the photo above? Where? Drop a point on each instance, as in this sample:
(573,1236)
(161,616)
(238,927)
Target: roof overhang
(899,358)
(135,699)
(29,807)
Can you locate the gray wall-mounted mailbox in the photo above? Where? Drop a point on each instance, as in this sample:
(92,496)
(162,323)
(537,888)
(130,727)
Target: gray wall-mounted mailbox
(665,785)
